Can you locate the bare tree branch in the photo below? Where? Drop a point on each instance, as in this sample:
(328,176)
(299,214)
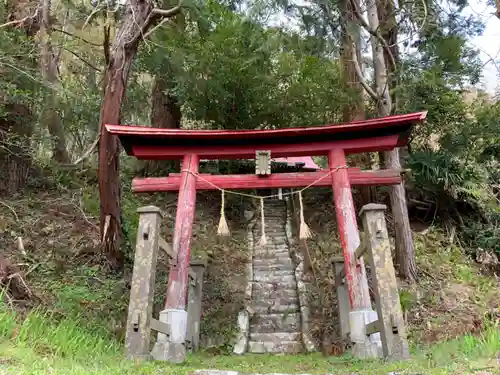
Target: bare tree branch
(22,20)
(82,59)
(150,31)
(89,152)
(361,78)
(167,13)
(154,15)
(77,37)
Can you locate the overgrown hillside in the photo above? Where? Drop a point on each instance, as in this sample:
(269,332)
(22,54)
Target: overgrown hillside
(51,241)
(51,238)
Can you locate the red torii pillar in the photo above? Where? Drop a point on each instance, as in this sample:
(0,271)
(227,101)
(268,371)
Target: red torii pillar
(355,273)
(172,347)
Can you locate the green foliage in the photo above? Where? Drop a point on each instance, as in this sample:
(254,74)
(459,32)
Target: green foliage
(443,175)
(485,235)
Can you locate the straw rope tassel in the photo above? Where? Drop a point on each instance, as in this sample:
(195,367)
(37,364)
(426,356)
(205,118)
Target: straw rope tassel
(263,239)
(223,229)
(304,231)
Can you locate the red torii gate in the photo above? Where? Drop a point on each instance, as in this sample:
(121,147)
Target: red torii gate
(334,141)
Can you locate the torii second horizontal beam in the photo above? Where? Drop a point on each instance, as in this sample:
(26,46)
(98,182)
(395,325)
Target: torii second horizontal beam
(276,180)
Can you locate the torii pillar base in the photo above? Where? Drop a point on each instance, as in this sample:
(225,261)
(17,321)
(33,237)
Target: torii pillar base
(171,347)
(361,313)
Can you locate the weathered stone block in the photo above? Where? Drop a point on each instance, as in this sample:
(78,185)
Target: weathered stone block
(263,309)
(277,305)
(275,336)
(272,293)
(241,346)
(273,267)
(290,347)
(273,273)
(276,323)
(262,262)
(290,279)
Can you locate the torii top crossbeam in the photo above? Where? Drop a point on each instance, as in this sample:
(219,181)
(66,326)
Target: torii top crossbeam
(380,134)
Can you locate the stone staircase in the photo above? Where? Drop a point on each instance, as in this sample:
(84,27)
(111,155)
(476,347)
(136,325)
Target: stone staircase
(275,326)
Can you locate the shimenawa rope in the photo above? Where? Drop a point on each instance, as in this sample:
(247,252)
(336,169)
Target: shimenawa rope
(223,229)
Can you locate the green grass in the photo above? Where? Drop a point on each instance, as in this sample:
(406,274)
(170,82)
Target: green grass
(38,344)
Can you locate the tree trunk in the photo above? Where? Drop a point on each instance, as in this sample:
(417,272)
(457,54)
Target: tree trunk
(389,32)
(15,133)
(50,74)
(121,55)
(166,111)
(351,44)
(405,253)
(139,16)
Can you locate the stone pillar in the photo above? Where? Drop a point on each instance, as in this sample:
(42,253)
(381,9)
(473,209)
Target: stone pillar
(390,315)
(355,274)
(343,306)
(140,309)
(242,341)
(241,346)
(172,347)
(194,304)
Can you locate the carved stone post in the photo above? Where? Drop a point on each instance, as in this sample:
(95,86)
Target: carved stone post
(194,304)
(343,305)
(390,317)
(138,332)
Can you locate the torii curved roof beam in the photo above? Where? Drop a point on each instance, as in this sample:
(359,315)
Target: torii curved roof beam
(379,134)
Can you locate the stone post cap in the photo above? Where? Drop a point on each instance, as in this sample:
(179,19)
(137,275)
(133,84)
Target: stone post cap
(372,207)
(198,263)
(149,210)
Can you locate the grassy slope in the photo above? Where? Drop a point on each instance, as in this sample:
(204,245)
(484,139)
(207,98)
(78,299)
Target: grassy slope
(37,345)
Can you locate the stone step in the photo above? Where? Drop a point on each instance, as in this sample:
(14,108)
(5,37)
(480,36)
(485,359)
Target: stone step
(278,270)
(274,237)
(271,248)
(262,286)
(272,273)
(272,262)
(275,253)
(285,280)
(271,223)
(260,307)
(273,266)
(266,323)
(275,228)
(281,258)
(277,293)
(271,245)
(281,306)
(265,285)
(275,336)
(261,347)
(270,242)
